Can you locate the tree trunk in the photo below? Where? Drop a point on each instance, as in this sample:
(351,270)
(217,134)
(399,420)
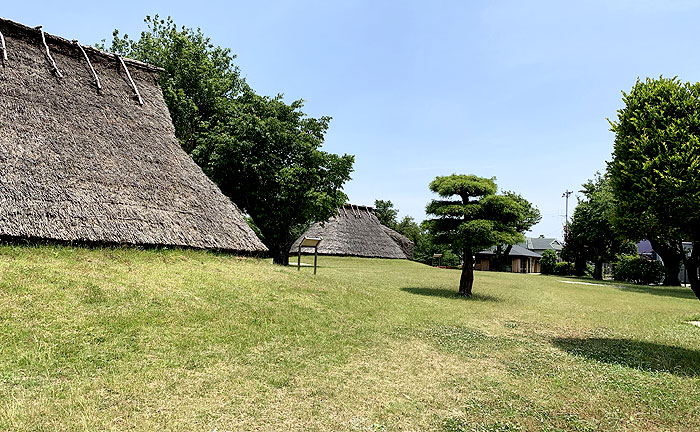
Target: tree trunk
(598,269)
(466,281)
(280,254)
(671,258)
(692,264)
(580,266)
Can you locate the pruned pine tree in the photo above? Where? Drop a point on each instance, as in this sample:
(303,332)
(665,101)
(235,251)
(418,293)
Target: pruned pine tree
(471,217)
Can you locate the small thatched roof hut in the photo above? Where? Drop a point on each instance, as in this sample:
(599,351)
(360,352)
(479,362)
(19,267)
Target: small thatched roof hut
(356,231)
(83,160)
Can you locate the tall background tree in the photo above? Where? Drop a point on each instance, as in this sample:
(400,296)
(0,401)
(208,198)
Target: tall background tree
(386,213)
(655,168)
(471,217)
(263,153)
(591,235)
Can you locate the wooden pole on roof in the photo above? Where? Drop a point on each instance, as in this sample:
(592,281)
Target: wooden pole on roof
(133,84)
(4,50)
(48,53)
(94,74)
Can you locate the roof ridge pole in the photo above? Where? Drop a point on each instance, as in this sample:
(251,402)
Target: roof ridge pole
(131,80)
(4,50)
(94,74)
(48,53)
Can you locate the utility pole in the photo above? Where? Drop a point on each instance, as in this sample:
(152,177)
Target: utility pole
(566,195)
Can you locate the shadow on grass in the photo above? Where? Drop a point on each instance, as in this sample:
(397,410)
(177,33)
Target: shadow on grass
(640,355)
(446,293)
(668,291)
(678,292)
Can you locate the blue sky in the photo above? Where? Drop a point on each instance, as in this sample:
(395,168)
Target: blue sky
(512,89)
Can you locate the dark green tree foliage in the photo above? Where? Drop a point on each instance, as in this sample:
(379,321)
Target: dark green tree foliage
(386,213)
(548,262)
(591,236)
(655,169)
(264,154)
(266,158)
(471,217)
(564,268)
(633,268)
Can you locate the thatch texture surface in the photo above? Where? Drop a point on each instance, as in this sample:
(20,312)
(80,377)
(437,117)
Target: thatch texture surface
(78,164)
(354,231)
(404,242)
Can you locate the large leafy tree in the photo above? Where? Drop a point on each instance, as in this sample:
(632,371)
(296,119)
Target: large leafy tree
(591,235)
(262,152)
(266,157)
(655,168)
(471,217)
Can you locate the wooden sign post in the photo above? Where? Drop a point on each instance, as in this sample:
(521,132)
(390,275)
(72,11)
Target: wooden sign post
(309,242)
(439,257)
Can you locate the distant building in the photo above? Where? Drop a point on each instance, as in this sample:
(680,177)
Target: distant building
(523,257)
(521,260)
(356,231)
(541,244)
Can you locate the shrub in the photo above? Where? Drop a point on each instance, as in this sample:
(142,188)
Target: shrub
(633,268)
(564,268)
(548,261)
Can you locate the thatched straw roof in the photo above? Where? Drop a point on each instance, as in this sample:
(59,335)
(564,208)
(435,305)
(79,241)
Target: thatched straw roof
(404,242)
(355,231)
(80,164)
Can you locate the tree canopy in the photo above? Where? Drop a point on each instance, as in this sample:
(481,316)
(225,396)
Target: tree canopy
(591,236)
(475,218)
(655,168)
(266,158)
(263,153)
(386,213)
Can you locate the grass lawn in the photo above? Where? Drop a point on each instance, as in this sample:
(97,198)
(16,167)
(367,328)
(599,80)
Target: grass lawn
(124,339)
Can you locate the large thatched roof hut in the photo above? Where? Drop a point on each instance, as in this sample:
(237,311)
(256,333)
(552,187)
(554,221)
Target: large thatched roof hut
(356,231)
(83,160)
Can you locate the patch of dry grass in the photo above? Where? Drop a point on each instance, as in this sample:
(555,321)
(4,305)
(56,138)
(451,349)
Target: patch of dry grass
(126,339)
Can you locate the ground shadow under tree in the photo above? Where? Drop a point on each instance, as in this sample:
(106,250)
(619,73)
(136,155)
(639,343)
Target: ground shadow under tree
(640,355)
(447,293)
(678,292)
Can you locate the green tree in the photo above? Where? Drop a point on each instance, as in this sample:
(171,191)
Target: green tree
(475,220)
(591,235)
(386,213)
(264,154)
(548,261)
(655,168)
(266,158)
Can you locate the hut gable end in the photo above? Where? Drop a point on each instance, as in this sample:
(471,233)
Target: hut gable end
(78,163)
